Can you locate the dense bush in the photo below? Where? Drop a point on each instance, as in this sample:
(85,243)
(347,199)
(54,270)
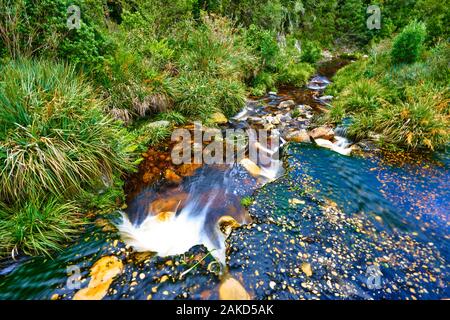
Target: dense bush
(407,104)
(263,82)
(31,28)
(296,74)
(264,44)
(279,65)
(38,226)
(311,52)
(50,122)
(422,121)
(54,142)
(436,15)
(363,96)
(408,45)
(438,63)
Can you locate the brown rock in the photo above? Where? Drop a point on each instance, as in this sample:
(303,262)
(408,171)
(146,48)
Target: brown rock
(102,274)
(188,170)
(227,224)
(298,136)
(231,289)
(147,177)
(172,176)
(322,133)
(156,170)
(287,104)
(170,203)
(165,216)
(306,268)
(251,167)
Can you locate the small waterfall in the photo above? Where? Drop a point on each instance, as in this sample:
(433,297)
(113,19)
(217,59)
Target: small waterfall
(341,131)
(318,83)
(201,211)
(197,208)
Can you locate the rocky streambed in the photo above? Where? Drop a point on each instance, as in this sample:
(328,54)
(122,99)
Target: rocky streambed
(328,226)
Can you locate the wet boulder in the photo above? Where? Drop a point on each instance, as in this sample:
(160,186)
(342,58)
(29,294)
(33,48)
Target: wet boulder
(298,136)
(322,133)
(286,104)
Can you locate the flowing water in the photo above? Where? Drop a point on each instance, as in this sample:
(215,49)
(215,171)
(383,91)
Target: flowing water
(325,226)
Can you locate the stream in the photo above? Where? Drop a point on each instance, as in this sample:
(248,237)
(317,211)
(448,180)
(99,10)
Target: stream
(322,224)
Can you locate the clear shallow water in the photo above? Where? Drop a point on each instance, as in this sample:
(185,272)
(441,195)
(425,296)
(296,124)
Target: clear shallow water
(412,195)
(353,214)
(394,216)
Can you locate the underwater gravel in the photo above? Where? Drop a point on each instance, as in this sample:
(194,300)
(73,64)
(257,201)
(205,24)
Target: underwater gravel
(303,246)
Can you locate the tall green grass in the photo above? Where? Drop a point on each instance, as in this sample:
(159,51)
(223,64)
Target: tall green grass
(406,104)
(55,143)
(53,135)
(38,226)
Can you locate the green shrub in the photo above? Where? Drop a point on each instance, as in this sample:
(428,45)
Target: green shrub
(264,44)
(296,74)
(264,81)
(194,96)
(106,196)
(362,124)
(311,52)
(406,104)
(258,91)
(438,63)
(132,87)
(420,122)
(198,96)
(214,48)
(363,96)
(230,97)
(151,133)
(157,135)
(436,15)
(37,226)
(87,48)
(336,114)
(247,201)
(53,135)
(38,28)
(408,45)
(346,76)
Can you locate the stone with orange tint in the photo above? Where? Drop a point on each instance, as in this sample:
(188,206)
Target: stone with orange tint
(172,176)
(171,203)
(231,289)
(102,275)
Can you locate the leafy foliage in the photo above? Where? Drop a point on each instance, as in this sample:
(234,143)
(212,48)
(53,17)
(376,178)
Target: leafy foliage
(408,104)
(311,52)
(408,44)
